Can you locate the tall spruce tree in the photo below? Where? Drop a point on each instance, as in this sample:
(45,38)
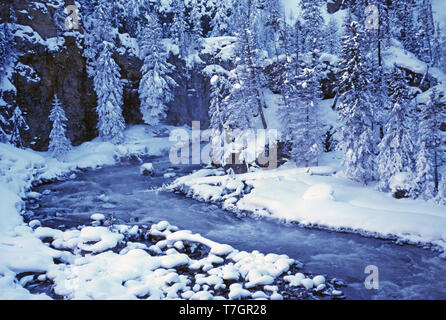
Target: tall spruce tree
(356,111)
(246,93)
(429,141)
(313,23)
(156,86)
(396,148)
(300,115)
(109,91)
(221,20)
(59,143)
(18,127)
(218,106)
(179,27)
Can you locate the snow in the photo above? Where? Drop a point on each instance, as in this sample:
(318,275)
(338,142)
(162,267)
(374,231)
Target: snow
(104,238)
(295,280)
(320,191)
(186,235)
(97,217)
(146,169)
(21,248)
(219,47)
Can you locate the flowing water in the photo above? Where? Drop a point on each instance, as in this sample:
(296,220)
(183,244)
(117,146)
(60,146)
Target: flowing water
(405,271)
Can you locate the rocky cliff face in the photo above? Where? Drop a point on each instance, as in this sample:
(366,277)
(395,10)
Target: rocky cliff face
(51,62)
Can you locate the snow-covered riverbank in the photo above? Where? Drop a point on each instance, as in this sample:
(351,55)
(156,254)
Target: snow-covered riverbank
(20,249)
(320,196)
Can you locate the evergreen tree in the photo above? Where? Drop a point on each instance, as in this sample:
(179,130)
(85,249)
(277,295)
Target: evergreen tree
(396,148)
(441,197)
(195,18)
(18,126)
(8,58)
(98,29)
(247,92)
(155,89)
(438,49)
(221,19)
(425,31)
(300,116)
(59,143)
(313,22)
(429,140)
(404,23)
(424,185)
(355,111)
(218,107)
(179,27)
(109,90)
(331,37)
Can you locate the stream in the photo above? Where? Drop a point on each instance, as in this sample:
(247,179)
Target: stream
(405,271)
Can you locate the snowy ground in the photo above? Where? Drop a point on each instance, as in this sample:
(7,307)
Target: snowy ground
(319,196)
(20,249)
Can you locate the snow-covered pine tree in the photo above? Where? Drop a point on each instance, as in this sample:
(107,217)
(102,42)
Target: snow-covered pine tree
(217,109)
(441,196)
(429,140)
(313,23)
(6,52)
(425,31)
(266,16)
(437,48)
(179,27)
(248,80)
(331,37)
(12,122)
(300,114)
(195,19)
(356,111)
(220,21)
(297,44)
(156,86)
(98,28)
(396,148)
(109,91)
(239,11)
(404,25)
(424,185)
(18,126)
(59,143)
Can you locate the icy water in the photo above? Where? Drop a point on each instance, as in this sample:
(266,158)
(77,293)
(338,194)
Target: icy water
(405,271)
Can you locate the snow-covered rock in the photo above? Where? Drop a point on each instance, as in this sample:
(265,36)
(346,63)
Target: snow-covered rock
(104,239)
(97,217)
(147,169)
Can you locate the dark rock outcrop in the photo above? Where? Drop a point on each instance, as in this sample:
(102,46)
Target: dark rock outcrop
(51,62)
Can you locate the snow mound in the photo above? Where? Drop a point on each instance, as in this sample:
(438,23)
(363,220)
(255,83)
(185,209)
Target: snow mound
(320,191)
(102,237)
